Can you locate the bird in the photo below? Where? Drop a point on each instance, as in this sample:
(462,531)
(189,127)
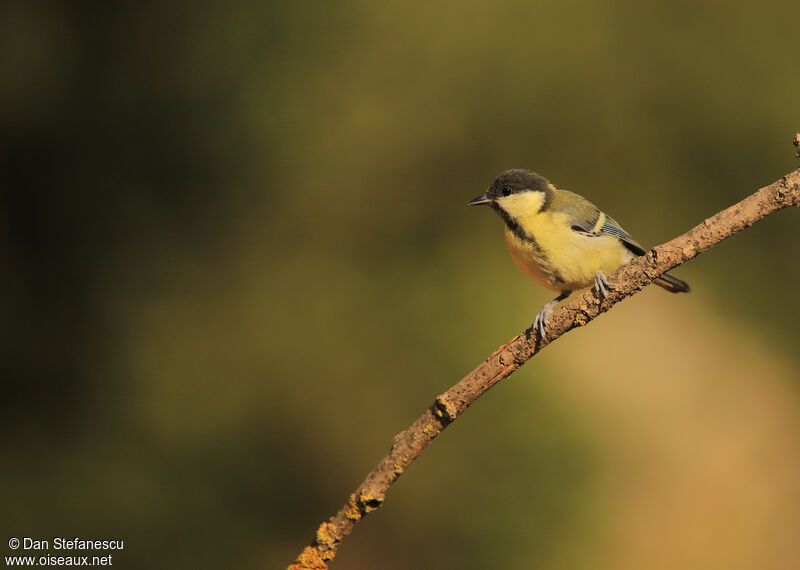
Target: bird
(560,239)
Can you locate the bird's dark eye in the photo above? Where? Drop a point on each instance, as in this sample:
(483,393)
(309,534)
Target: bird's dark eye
(506,190)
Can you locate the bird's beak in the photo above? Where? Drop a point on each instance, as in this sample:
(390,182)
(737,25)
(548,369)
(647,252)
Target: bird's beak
(480,200)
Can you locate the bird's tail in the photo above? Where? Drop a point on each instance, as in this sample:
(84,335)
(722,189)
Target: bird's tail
(672,283)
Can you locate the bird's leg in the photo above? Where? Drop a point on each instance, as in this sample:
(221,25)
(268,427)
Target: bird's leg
(540,321)
(601,284)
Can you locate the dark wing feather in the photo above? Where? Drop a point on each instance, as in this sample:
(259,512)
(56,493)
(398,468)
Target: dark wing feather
(610,227)
(584,224)
(583,217)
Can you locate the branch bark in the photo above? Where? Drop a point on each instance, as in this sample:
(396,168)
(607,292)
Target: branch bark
(447,407)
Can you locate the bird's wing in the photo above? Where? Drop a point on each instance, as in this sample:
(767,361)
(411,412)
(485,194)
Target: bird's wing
(599,223)
(611,227)
(585,218)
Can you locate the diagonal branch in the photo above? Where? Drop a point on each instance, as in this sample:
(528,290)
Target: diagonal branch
(628,280)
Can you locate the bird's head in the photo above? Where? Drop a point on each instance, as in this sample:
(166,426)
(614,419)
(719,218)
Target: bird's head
(516,191)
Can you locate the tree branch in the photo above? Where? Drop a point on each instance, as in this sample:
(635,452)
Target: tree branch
(628,280)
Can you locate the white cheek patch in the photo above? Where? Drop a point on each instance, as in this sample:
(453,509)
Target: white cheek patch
(523,204)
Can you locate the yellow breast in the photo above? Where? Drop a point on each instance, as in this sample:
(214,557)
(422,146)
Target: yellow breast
(560,258)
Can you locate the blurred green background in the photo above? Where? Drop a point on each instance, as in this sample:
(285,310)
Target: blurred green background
(237,260)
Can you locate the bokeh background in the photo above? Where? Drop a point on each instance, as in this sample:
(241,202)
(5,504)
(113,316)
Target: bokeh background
(236,260)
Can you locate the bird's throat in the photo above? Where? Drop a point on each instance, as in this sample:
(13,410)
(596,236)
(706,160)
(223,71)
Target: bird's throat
(513,225)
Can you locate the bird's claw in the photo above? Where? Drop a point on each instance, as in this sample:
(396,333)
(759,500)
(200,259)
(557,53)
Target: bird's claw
(540,321)
(601,284)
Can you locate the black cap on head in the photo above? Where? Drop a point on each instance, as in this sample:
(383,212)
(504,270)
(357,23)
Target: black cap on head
(512,182)
(517,180)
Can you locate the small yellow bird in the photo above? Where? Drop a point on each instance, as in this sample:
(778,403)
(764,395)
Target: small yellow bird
(560,239)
